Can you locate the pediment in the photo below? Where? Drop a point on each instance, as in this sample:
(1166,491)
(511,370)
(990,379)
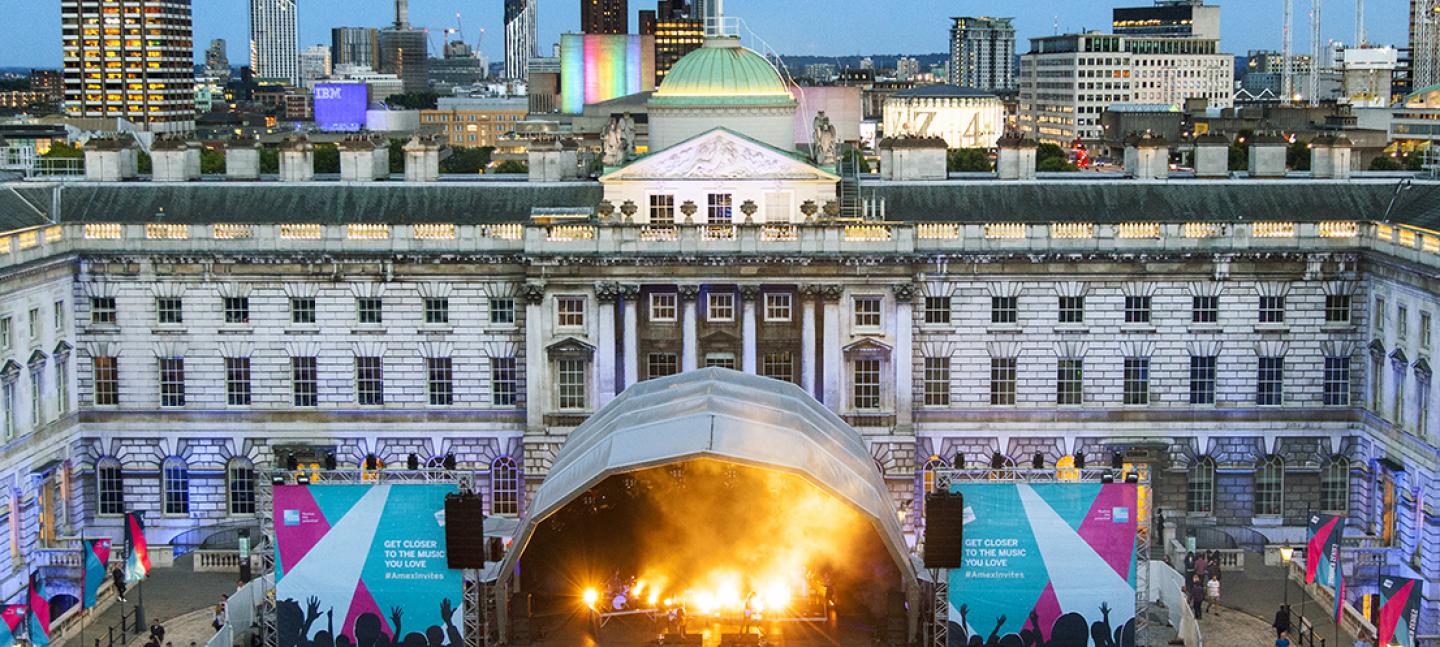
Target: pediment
(570,348)
(720,154)
(719,337)
(867,346)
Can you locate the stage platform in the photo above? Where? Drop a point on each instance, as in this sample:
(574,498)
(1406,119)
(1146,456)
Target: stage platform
(640,631)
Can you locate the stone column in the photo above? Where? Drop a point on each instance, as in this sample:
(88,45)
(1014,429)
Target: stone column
(537,374)
(631,296)
(807,340)
(904,357)
(749,330)
(605,295)
(690,351)
(833,364)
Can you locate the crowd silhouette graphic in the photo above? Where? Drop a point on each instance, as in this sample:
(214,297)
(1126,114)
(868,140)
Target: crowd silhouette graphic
(1069,630)
(294,625)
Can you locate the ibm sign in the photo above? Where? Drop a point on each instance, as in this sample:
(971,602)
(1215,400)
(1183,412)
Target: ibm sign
(340,107)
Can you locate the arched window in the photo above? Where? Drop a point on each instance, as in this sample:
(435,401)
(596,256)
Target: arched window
(1270,487)
(1200,497)
(175,486)
(109,487)
(1335,485)
(240,486)
(504,487)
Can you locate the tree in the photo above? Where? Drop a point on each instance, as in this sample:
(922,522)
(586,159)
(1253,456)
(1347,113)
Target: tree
(969,160)
(1050,158)
(467,161)
(212,162)
(63,150)
(1240,151)
(511,167)
(414,101)
(1386,163)
(270,160)
(1297,155)
(143,164)
(327,158)
(397,156)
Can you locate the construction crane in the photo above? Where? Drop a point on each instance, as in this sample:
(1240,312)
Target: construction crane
(1287,75)
(1317,45)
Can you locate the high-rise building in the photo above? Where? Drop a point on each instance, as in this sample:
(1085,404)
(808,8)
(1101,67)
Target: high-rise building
(648,18)
(130,59)
(982,53)
(673,10)
(907,68)
(355,46)
(217,61)
(314,64)
(677,33)
(1169,19)
(520,37)
(605,16)
(274,40)
(404,51)
(1424,43)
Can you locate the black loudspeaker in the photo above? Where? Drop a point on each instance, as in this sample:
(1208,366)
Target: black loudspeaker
(944,530)
(413,462)
(330,462)
(1039,462)
(292,463)
(450,462)
(1080,461)
(1117,461)
(371,463)
(997,461)
(465,531)
(959,463)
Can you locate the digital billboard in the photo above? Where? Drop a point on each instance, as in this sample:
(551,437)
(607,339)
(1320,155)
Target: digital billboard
(1046,563)
(340,107)
(364,565)
(600,67)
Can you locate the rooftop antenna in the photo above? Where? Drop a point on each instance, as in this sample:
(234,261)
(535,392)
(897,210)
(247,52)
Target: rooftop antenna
(1055,25)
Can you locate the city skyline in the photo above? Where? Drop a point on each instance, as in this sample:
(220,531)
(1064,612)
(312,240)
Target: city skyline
(920,27)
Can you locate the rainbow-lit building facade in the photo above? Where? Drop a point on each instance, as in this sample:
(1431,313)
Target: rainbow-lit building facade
(600,67)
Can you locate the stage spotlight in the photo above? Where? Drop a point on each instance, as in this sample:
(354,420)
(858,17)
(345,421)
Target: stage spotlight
(1107,478)
(330,464)
(278,479)
(590,597)
(302,479)
(1132,477)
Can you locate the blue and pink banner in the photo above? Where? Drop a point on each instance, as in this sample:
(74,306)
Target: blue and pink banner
(137,550)
(1046,563)
(37,616)
(1399,620)
(92,574)
(368,559)
(1322,549)
(13,615)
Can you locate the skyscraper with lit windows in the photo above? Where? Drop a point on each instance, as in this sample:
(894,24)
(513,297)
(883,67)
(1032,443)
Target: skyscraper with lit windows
(274,40)
(520,37)
(132,60)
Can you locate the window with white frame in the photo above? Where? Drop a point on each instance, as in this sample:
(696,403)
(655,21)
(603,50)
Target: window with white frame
(662,209)
(172,381)
(437,310)
(302,310)
(1379,315)
(237,381)
(169,310)
(440,381)
(1270,382)
(62,383)
(1422,404)
(504,382)
(37,401)
(780,366)
(867,312)
(720,360)
(1424,331)
(109,487)
(1136,380)
(937,310)
(370,310)
(1377,386)
(937,382)
(1072,310)
(720,208)
(659,365)
(1336,382)
(7,388)
(305,381)
(1070,381)
(1205,309)
(1272,310)
(1004,310)
(1270,487)
(175,487)
(34,323)
(865,383)
(778,307)
(504,486)
(60,318)
(102,310)
(1200,487)
(5,341)
(502,311)
(720,307)
(1337,308)
(1335,485)
(664,307)
(570,312)
(1397,404)
(369,381)
(237,310)
(570,385)
(1402,324)
(1202,379)
(240,486)
(1137,309)
(1002,380)
(106,373)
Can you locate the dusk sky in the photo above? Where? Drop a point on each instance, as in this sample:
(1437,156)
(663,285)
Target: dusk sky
(31,31)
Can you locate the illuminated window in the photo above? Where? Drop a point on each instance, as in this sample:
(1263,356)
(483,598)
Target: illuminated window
(663,306)
(720,208)
(570,312)
(867,312)
(777,307)
(720,307)
(504,487)
(175,487)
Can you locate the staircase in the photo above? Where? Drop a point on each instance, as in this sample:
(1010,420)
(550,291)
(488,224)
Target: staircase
(851,205)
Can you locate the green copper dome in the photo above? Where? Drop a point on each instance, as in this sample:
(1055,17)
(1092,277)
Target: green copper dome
(722,73)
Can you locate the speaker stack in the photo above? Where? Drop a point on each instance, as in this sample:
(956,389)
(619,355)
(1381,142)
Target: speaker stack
(465,531)
(944,530)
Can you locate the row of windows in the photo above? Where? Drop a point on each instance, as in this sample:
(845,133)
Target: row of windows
(1270,486)
(9,401)
(236,310)
(1137,309)
(304,381)
(34,326)
(1402,323)
(240,487)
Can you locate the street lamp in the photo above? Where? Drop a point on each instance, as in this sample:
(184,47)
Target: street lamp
(1286,552)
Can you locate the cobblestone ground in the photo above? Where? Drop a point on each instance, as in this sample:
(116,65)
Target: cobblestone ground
(169,593)
(1251,597)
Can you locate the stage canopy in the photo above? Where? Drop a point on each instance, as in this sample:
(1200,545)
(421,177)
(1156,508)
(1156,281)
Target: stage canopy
(721,415)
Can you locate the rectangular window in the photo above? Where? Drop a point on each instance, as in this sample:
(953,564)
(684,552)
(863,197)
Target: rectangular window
(102,310)
(110,482)
(570,312)
(1070,381)
(720,307)
(1004,310)
(440,381)
(169,310)
(1337,308)
(1272,310)
(369,310)
(1397,412)
(1425,331)
(937,310)
(502,311)
(664,306)
(1137,310)
(1270,382)
(437,310)
(177,489)
(37,402)
(662,209)
(9,406)
(1205,309)
(1202,379)
(1337,382)
(34,323)
(172,381)
(937,381)
(1137,380)
(659,365)
(107,380)
(237,310)
(1379,315)
(59,317)
(777,307)
(302,310)
(1402,324)
(237,381)
(720,209)
(5,341)
(62,383)
(570,384)
(369,381)
(504,382)
(305,381)
(866,383)
(720,360)
(867,312)
(780,366)
(1002,380)
(1072,310)
(242,489)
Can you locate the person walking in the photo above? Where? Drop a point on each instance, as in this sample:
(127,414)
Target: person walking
(1212,592)
(1196,595)
(1202,567)
(1189,565)
(1282,621)
(157,631)
(117,577)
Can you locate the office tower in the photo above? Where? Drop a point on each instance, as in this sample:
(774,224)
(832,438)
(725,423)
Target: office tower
(404,51)
(274,40)
(520,38)
(672,10)
(217,61)
(677,33)
(982,53)
(1169,18)
(605,16)
(359,46)
(130,59)
(315,64)
(648,18)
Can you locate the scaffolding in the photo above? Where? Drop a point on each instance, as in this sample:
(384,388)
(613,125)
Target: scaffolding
(1425,45)
(476,595)
(944,478)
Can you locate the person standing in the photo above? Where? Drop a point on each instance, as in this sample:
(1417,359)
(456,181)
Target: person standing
(117,577)
(1202,567)
(1283,640)
(1282,621)
(1212,592)
(1189,565)
(157,631)
(1196,595)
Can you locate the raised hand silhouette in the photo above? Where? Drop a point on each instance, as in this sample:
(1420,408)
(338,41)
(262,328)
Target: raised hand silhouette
(396,613)
(1100,631)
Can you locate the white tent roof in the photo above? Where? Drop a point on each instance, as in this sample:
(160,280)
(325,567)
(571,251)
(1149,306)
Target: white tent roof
(723,415)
